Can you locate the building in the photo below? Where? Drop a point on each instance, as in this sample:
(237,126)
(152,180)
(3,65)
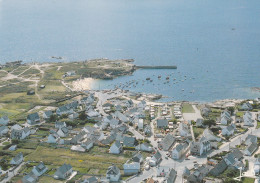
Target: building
(53,138)
(3,130)
(179,150)
(47,114)
(184,130)
(201,147)
(131,168)
(162,123)
(20,134)
(33,119)
(113,174)
(39,169)
(167,142)
(18,159)
(250,149)
(4,120)
(63,172)
(116,148)
(144,147)
(246,106)
(229,130)
(156,158)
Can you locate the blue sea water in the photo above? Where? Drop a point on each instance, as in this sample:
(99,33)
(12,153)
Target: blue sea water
(217,42)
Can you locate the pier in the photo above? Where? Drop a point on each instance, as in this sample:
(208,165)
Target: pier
(155,67)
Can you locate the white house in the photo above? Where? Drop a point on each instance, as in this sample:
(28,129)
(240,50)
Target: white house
(250,149)
(229,130)
(144,147)
(116,148)
(63,132)
(18,159)
(179,150)
(113,174)
(39,169)
(257,166)
(47,114)
(3,130)
(33,119)
(20,134)
(246,106)
(4,120)
(156,158)
(201,147)
(59,124)
(225,117)
(248,120)
(87,144)
(184,130)
(63,172)
(208,134)
(53,138)
(140,124)
(131,168)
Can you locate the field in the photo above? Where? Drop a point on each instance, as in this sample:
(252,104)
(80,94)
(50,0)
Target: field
(248,180)
(97,160)
(197,131)
(187,108)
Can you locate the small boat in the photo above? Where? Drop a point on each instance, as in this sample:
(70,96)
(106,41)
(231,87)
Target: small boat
(159,76)
(167,77)
(148,79)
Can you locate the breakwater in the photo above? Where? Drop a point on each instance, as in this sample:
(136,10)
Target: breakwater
(155,67)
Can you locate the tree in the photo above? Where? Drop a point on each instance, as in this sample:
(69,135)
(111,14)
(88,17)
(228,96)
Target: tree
(231,110)
(82,116)
(53,118)
(209,122)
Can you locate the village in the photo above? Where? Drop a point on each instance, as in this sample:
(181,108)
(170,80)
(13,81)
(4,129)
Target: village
(121,136)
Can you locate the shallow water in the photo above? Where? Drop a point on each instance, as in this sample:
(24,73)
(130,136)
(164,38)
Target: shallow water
(216,42)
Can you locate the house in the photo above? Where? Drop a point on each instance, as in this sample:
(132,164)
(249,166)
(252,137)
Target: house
(167,142)
(131,168)
(171,176)
(219,168)
(87,144)
(144,147)
(12,148)
(77,148)
(20,134)
(251,139)
(257,166)
(162,123)
(79,137)
(59,124)
(141,124)
(4,120)
(121,117)
(250,149)
(53,138)
(74,115)
(233,159)
(198,175)
(47,114)
(138,157)
(147,130)
(63,132)
(3,130)
(18,159)
(129,141)
(92,179)
(225,117)
(246,106)
(201,147)
(107,106)
(33,119)
(39,169)
(208,134)
(229,130)
(63,172)
(69,73)
(179,150)
(116,148)
(30,178)
(248,120)
(113,174)
(156,158)
(184,130)
(199,122)
(205,111)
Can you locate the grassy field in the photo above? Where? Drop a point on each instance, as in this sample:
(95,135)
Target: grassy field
(248,180)
(239,114)
(197,131)
(187,108)
(97,159)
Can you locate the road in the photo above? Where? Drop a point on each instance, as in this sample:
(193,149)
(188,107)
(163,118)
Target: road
(13,173)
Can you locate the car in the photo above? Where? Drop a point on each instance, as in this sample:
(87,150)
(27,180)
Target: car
(166,157)
(194,161)
(187,159)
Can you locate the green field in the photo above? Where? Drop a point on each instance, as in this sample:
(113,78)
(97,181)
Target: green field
(248,180)
(187,108)
(197,131)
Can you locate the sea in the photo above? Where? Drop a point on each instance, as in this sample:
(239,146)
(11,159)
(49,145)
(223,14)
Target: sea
(214,43)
